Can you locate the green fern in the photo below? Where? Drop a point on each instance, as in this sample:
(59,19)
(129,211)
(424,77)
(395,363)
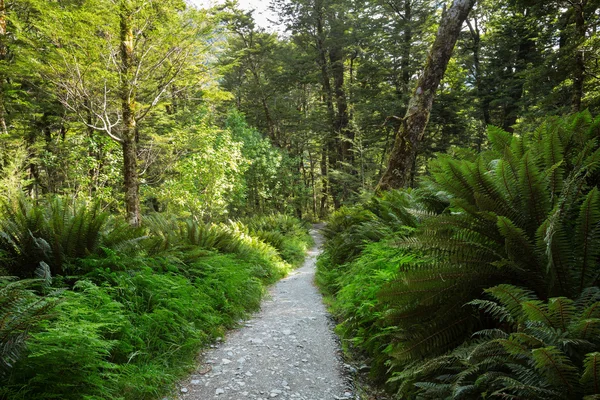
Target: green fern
(55,233)
(20,310)
(524,212)
(546,354)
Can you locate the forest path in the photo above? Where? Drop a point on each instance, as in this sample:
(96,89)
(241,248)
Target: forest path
(287,351)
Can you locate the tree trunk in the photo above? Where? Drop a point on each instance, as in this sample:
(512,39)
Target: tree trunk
(413,126)
(342,120)
(327,160)
(483,102)
(406,47)
(127,94)
(3,53)
(3,32)
(579,67)
(324,183)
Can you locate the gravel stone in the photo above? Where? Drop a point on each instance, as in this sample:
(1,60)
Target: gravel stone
(289,344)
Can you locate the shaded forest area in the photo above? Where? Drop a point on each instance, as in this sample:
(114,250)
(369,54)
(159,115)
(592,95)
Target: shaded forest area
(158,164)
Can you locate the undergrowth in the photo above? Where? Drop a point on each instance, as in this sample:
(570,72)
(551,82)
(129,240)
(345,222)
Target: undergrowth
(124,317)
(401,268)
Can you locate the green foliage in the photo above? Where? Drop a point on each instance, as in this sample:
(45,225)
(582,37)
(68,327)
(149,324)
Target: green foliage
(360,258)
(51,234)
(351,228)
(509,221)
(286,234)
(20,310)
(271,180)
(362,316)
(140,303)
(524,212)
(548,350)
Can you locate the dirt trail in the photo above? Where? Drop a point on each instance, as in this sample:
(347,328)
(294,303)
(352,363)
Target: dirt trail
(287,351)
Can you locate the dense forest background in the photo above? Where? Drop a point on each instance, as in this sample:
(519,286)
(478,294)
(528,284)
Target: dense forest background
(302,121)
(156,160)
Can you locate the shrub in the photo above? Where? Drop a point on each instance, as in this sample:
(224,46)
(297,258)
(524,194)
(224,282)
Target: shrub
(142,304)
(524,212)
(287,234)
(351,229)
(362,317)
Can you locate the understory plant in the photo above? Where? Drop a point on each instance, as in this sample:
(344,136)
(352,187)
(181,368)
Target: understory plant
(118,312)
(525,212)
(540,350)
(21,309)
(50,233)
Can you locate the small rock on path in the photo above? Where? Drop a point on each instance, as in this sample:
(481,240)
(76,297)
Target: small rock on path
(287,351)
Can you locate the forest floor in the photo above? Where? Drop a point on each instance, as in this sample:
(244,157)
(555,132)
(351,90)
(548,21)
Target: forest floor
(287,351)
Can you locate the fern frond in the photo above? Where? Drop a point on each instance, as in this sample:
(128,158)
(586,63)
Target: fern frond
(562,311)
(512,298)
(499,139)
(535,196)
(554,158)
(590,379)
(556,366)
(587,235)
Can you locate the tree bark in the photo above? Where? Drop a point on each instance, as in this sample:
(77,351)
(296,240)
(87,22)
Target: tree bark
(324,183)
(407,47)
(2,29)
(413,126)
(127,94)
(342,120)
(3,54)
(483,102)
(579,67)
(327,159)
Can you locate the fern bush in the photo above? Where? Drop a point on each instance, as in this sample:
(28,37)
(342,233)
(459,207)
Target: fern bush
(362,317)
(167,234)
(20,310)
(53,233)
(545,350)
(287,234)
(525,212)
(351,229)
(138,304)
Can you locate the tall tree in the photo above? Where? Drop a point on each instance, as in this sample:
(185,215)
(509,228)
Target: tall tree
(112,85)
(413,125)
(3,54)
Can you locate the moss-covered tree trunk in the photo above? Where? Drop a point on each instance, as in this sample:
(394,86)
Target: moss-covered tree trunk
(127,94)
(412,128)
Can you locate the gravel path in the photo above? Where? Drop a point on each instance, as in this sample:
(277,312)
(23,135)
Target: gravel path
(287,351)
